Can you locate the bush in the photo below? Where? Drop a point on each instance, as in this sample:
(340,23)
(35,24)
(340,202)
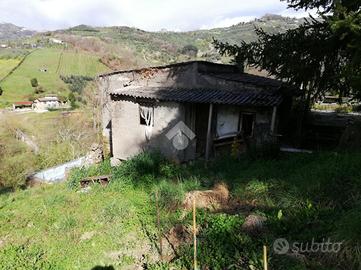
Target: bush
(190,50)
(34,82)
(76,83)
(39,89)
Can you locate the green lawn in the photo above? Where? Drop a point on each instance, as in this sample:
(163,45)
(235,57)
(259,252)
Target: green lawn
(17,86)
(6,65)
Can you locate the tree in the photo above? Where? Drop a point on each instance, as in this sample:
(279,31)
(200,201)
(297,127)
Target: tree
(319,56)
(1,91)
(34,82)
(190,50)
(93,104)
(72,99)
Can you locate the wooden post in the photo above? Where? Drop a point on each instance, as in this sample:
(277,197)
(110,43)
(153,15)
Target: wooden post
(209,129)
(194,235)
(159,228)
(265,261)
(273,123)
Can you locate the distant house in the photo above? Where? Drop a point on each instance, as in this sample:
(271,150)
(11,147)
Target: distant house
(56,41)
(4,46)
(47,102)
(23,105)
(189,110)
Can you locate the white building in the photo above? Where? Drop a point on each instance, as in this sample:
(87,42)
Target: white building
(56,41)
(48,102)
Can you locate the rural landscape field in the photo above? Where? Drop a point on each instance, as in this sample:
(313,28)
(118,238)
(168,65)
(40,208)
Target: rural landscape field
(225,139)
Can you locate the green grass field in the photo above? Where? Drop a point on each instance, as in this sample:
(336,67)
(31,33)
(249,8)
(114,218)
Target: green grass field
(304,197)
(62,229)
(17,86)
(6,65)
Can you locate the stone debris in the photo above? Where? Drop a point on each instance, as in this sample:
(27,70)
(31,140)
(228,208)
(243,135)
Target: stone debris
(95,155)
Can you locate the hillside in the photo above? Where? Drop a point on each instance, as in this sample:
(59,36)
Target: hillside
(92,50)
(167,46)
(57,62)
(10,31)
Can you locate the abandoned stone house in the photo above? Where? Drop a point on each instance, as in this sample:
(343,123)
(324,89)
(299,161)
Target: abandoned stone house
(188,110)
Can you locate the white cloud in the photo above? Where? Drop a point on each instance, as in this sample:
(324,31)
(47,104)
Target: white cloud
(145,14)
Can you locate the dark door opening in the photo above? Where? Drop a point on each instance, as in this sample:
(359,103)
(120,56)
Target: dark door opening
(247,124)
(201,125)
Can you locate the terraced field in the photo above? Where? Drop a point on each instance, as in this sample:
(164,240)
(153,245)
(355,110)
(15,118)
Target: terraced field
(56,62)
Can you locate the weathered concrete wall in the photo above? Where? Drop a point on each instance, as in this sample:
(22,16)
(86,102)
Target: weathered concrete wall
(129,136)
(58,173)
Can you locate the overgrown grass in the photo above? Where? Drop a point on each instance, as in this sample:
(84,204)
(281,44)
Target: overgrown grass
(303,196)
(60,138)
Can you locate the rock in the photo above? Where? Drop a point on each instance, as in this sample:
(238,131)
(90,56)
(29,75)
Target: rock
(85,190)
(254,224)
(95,155)
(115,162)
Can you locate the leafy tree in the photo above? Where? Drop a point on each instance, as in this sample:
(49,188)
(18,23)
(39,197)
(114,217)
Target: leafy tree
(1,91)
(76,83)
(190,50)
(320,56)
(39,90)
(34,82)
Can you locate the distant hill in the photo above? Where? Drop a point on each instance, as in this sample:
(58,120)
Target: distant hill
(87,50)
(142,47)
(10,31)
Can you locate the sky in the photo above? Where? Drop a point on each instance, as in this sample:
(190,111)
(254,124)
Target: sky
(151,15)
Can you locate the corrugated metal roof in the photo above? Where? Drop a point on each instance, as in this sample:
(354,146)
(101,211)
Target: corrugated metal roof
(254,98)
(199,82)
(247,79)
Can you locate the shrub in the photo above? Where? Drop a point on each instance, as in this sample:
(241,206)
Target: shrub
(34,82)
(190,50)
(39,89)
(76,83)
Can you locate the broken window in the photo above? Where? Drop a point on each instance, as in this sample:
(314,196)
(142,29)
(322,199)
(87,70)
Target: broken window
(247,124)
(227,121)
(146,115)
